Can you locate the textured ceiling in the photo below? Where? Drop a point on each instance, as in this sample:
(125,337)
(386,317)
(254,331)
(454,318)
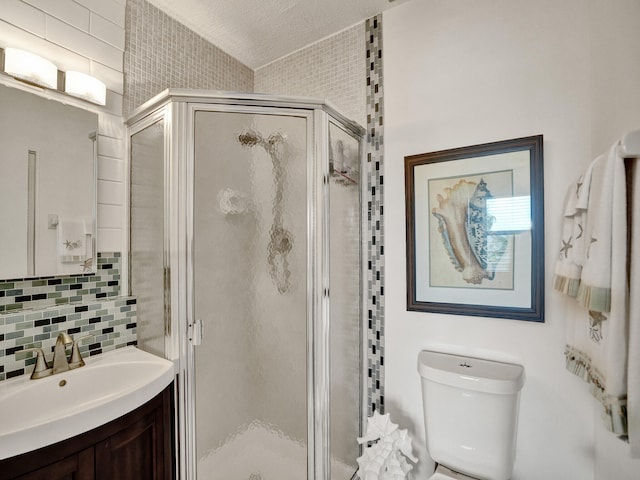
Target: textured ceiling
(257,32)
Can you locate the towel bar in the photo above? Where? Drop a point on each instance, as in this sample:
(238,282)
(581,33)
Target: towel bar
(631,144)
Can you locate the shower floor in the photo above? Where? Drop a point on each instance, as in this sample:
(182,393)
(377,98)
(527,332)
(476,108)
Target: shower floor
(259,453)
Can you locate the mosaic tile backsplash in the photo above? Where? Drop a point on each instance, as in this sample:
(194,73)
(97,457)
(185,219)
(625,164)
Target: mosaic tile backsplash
(34,311)
(112,324)
(21,294)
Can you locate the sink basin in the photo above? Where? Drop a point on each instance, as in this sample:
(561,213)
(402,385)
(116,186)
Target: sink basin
(36,413)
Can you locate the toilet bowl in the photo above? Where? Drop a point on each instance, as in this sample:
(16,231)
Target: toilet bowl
(471,415)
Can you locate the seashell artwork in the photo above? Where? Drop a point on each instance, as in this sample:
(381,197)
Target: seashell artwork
(465,229)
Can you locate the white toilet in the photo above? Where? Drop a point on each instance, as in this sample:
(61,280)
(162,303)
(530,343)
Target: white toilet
(470,415)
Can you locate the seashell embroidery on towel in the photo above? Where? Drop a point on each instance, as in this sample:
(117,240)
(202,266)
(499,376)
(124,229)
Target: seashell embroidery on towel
(595,325)
(69,245)
(465,228)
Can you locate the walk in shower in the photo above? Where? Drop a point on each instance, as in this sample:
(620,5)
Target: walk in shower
(245,258)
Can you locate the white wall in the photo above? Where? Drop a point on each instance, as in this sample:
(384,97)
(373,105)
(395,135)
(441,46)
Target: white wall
(87,36)
(461,73)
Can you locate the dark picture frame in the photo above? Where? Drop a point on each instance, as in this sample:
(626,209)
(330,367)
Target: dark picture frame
(475,230)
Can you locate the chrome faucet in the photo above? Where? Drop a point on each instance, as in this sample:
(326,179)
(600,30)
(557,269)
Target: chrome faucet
(76,360)
(42,368)
(60,361)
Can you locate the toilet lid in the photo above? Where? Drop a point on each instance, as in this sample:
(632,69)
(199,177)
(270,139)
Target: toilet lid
(444,473)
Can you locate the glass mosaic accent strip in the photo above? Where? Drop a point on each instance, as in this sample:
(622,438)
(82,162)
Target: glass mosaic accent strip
(112,324)
(35,293)
(375,220)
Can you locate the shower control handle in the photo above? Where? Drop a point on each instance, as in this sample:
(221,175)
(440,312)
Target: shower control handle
(196,332)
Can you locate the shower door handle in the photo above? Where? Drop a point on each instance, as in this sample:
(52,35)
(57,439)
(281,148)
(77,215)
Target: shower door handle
(196,333)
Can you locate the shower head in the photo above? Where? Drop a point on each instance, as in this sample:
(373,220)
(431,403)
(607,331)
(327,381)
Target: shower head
(249,139)
(252,138)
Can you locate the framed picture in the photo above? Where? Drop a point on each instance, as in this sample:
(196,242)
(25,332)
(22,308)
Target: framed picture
(475,230)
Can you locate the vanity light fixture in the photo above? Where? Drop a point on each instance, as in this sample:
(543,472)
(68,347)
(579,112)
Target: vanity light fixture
(30,67)
(85,86)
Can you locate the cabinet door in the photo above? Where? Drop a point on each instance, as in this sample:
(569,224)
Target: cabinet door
(134,453)
(75,467)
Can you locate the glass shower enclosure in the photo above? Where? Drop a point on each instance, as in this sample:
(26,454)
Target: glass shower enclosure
(245,258)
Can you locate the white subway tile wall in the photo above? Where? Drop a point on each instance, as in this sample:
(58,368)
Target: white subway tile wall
(110,146)
(111,192)
(107,31)
(28,18)
(66,10)
(83,43)
(111,169)
(109,9)
(110,216)
(109,236)
(112,78)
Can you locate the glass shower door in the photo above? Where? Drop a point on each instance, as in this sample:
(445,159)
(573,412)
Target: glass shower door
(147,233)
(345,311)
(250,292)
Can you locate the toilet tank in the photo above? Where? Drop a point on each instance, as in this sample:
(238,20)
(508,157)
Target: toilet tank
(471,413)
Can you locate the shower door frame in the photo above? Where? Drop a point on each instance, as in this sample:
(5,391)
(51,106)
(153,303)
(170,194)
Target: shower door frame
(160,114)
(316,273)
(177,107)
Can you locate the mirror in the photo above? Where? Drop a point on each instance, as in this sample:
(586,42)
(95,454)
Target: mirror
(47,186)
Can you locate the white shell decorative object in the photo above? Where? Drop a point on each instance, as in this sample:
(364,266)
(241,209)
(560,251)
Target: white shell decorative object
(384,458)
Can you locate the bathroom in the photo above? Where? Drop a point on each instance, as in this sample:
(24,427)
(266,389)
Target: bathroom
(455,73)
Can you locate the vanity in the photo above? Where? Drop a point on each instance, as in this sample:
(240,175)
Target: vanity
(111,419)
(136,446)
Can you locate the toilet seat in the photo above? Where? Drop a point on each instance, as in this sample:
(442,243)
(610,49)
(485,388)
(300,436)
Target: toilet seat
(444,473)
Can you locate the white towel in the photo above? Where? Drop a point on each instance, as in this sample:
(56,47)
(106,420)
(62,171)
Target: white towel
(72,241)
(592,267)
(573,251)
(633,402)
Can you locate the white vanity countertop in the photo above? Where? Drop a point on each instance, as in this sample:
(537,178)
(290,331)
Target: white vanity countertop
(36,413)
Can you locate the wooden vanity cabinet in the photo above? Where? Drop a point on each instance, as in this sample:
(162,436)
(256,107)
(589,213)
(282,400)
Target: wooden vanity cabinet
(136,446)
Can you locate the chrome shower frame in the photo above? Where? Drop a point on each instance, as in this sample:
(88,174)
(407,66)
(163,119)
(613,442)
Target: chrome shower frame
(177,107)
